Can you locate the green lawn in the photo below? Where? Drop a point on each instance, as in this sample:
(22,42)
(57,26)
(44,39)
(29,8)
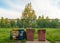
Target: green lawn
(52,34)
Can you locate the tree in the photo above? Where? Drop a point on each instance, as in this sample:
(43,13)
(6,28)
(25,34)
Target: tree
(28,15)
(19,23)
(39,18)
(2,22)
(54,23)
(7,23)
(47,22)
(40,22)
(42,17)
(13,23)
(59,25)
(43,23)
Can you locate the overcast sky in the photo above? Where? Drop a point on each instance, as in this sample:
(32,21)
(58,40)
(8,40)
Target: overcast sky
(14,8)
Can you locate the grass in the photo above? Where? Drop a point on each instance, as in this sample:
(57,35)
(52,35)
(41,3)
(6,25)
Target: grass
(52,34)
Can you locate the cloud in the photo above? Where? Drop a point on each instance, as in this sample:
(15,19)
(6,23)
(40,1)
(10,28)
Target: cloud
(44,7)
(13,6)
(15,9)
(17,4)
(55,3)
(13,12)
(41,7)
(9,13)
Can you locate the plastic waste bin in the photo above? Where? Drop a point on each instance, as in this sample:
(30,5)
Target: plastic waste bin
(41,35)
(21,35)
(14,34)
(10,35)
(30,34)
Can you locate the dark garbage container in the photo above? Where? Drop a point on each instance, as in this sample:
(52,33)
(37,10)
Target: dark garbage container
(10,34)
(14,34)
(21,35)
(41,35)
(30,34)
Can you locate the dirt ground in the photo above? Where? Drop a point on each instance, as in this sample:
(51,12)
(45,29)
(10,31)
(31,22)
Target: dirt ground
(32,42)
(37,41)
(57,41)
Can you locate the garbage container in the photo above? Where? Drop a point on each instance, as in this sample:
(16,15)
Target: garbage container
(21,35)
(41,35)
(30,34)
(14,34)
(10,34)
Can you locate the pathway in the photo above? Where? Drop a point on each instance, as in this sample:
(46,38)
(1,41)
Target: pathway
(37,41)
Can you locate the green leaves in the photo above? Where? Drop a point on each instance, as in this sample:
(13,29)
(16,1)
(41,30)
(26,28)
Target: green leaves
(28,15)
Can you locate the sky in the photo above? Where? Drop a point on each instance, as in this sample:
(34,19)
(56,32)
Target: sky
(14,8)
